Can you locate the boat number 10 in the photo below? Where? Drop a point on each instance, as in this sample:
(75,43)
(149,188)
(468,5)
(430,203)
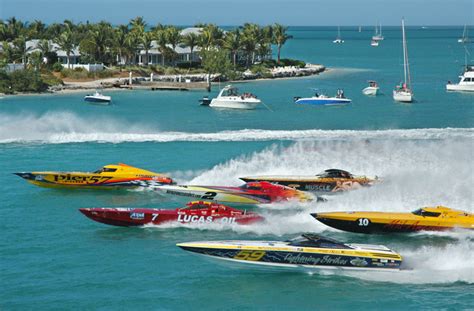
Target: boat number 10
(363,222)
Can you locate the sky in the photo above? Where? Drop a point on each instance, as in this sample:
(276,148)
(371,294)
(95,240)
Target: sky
(233,12)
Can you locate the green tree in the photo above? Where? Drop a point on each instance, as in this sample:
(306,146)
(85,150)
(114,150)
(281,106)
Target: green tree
(280,37)
(119,43)
(146,39)
(138,24)
(216,61)
(232,43)
(21,51)
(161,37)
(174,38)
(67,43)
(190,40)
(251,38)
(211,37)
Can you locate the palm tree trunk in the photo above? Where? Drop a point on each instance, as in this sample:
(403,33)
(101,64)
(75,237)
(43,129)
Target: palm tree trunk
(235,59)
(279,48)
(68,62)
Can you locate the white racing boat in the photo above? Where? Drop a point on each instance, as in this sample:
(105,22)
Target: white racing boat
(229,97)
(98,98)
(403,92)
(372,89)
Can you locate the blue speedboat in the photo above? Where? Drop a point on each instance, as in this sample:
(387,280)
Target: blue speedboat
(321,99)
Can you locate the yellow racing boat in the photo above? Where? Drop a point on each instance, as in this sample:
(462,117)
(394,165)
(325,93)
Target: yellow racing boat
(438,218)
(108,177)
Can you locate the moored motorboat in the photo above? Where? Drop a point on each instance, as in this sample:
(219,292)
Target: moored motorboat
(98,98)
(229,97)
(249,193)
(438,218)
(321,99)
(329,181)
(196,212)
(374,43)
(372,89)
(466,81)
(108,177)
(309,251)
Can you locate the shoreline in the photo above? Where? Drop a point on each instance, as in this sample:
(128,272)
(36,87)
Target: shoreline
(110,84)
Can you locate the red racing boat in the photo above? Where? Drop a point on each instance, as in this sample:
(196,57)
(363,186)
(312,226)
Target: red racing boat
(196,212)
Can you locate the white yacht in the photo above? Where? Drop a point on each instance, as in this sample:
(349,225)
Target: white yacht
(98,98)
(338,38)
(466,81)
(229,97)
(372,89)
(403,92)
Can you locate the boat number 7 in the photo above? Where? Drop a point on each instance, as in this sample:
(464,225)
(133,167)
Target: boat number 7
(154,216)
(363,222)
(209,196)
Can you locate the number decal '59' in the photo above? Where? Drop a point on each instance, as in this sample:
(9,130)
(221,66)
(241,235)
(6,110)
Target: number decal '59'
(250,255)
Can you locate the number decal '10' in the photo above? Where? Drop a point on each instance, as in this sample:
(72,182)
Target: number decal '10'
(363,222)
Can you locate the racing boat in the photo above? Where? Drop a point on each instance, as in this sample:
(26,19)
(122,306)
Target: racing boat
(427,218)
(321,99)
(197,212)
(110,176)
(332,180)
(309,251)
(249,193)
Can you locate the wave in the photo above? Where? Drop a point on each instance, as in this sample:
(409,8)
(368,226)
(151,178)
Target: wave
(67,127)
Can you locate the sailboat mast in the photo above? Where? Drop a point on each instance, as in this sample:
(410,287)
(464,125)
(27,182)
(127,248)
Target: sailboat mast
(404,53)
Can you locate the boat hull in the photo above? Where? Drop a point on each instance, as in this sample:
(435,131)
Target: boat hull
(370,91)
(326,259)
(403,96)
(460,87)
(133,217)
(234,104)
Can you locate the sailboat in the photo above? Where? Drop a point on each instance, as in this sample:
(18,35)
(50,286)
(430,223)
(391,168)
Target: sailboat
(338,38)
(465,37)
(378,33)
(403,91)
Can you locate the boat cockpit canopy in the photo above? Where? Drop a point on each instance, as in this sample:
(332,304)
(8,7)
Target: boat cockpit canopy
(105,170)
(424,213)
(335,173)
(313,240)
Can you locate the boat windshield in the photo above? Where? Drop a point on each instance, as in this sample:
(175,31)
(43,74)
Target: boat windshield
(105,170)
(231,92)
(422,212)
(251,187)
(313,240)
(334,173)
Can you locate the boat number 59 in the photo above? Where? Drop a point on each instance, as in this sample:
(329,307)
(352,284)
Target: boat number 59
(250,255)
(363,222)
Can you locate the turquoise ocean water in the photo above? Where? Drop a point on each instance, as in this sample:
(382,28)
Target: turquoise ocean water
(55,258)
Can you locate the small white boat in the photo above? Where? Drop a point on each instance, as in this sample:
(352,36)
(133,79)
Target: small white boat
(374,43)
(229,97)
(372,89)
(403,91)
(98,98)
(378,34)
(338,38)
(466,81)
(465,36)
(321,99)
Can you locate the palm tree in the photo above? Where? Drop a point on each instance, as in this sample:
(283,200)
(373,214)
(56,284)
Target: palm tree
(67,43)
(14,28)
(280,37)
(146,43)
(37,29)
(131,46)
(46,49)
(211,37)
(161,38)
(174,38)
(232,42)
(190,40)
(119,43)
(138,24)
(251,38)
(20,49)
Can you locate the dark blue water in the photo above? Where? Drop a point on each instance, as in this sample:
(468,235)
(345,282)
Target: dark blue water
(55,258)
